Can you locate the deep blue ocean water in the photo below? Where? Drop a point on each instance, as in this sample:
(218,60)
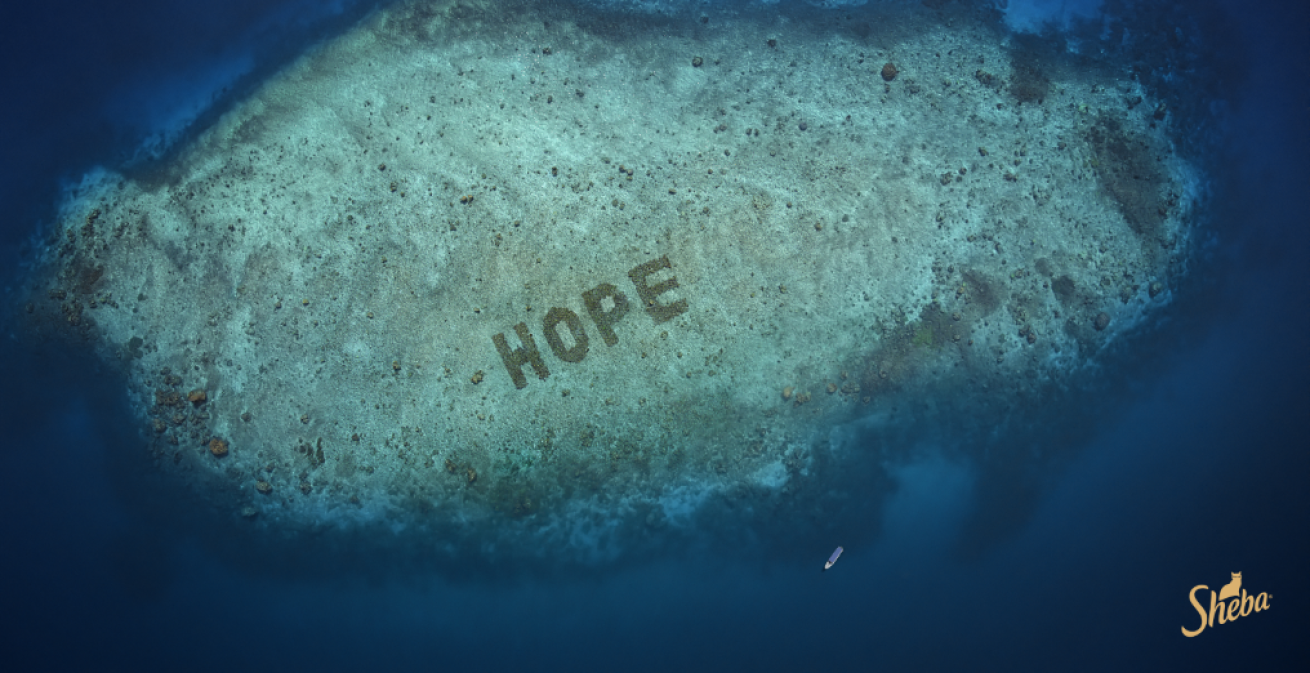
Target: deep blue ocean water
(1201,469)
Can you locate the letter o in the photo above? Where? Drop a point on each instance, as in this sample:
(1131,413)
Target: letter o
(562,315)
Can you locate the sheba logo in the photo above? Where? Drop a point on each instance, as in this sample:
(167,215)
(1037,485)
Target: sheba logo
(606,306)
(1241,605)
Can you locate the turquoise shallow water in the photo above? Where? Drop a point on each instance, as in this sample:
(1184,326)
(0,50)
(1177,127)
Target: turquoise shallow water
(978,523)
(377,294)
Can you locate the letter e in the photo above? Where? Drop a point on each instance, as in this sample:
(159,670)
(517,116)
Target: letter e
(650,294)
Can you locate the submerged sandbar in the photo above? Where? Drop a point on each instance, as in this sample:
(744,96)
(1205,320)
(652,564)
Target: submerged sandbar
(465,267)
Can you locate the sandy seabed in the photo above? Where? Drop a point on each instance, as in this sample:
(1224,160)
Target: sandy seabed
(567,280)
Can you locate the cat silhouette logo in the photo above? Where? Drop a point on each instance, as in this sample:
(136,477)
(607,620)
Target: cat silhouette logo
(1231,588)
(1242,604)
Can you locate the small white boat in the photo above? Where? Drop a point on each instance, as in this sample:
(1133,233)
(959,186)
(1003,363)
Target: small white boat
(832,559)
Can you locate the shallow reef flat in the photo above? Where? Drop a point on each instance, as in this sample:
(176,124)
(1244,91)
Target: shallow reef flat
(574,278)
